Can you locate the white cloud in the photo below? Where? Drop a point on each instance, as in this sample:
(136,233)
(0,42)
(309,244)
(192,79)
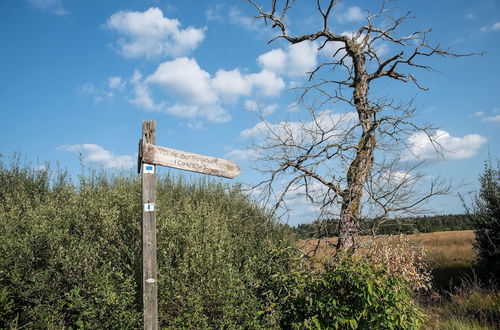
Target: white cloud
(299,131)
(193,92)
(247,22)
(142,94)
(297,60)
(274,60)
(52,6)
(470,16)
(333,48)
(149,34)
(422,148)
(214,113)
(87,89)
(186,82)
(487,119)
(230,85)
(241,155)
(116,83)
(184,77)
(399,177)
(96,154)
(214,13)
(196,125)
(493,27)
(98,94)
(352,14)
(264,109)
(492,119)
(267,83)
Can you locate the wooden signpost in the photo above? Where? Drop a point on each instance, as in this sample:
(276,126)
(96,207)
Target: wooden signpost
(149,156)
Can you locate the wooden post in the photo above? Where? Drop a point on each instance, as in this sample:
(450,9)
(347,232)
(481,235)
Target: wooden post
(149,156)
(149,265)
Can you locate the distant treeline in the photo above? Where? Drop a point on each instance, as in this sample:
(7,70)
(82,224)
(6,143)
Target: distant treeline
(423,224)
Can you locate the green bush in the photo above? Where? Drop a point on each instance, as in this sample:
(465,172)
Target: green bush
(70,253)
(70,257)
(349,293)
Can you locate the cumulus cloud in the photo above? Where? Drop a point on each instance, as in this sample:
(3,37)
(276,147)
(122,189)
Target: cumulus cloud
(295,61)
(184,77)
(51,6)
(230,85)
(142,94)
(421,147)
(97,154)
(149,34)
(267,83)
(197,94)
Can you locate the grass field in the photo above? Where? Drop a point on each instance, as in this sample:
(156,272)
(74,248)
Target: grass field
(443,248)
(450,254)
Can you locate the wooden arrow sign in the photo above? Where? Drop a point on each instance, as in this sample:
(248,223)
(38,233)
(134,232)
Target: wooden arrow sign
(187,161)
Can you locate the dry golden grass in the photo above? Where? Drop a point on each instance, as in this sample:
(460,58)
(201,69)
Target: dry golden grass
(447,247)
(442,248)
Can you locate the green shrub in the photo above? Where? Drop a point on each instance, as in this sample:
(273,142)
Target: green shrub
(349,293)
(70,253)
(70,257)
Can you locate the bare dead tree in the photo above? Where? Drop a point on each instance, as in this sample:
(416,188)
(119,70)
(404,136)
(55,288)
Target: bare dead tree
(330,158)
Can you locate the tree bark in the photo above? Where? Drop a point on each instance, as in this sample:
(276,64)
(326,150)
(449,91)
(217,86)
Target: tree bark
(361,166)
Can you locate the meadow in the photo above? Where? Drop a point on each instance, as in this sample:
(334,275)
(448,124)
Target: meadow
(70,258)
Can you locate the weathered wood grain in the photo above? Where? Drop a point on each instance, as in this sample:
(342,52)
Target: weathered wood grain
(149,263)
(188,161)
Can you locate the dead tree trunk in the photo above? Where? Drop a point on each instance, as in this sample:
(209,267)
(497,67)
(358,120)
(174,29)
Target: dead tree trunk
(340,160)
(360,168)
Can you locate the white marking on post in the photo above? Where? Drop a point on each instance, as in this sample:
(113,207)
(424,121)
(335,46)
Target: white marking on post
(150,280)
(149,207)
(148,169)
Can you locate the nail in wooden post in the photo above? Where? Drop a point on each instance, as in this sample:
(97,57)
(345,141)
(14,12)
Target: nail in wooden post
(149,265)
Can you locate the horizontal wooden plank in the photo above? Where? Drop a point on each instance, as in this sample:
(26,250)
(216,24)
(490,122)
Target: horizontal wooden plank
(188,161)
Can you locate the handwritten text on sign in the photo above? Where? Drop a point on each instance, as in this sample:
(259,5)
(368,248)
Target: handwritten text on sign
(183,160)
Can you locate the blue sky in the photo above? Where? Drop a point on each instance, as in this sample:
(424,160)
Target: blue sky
(80,76)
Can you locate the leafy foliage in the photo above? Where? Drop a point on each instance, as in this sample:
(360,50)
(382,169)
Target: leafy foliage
(349,293)
(70,258)
(70,253)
